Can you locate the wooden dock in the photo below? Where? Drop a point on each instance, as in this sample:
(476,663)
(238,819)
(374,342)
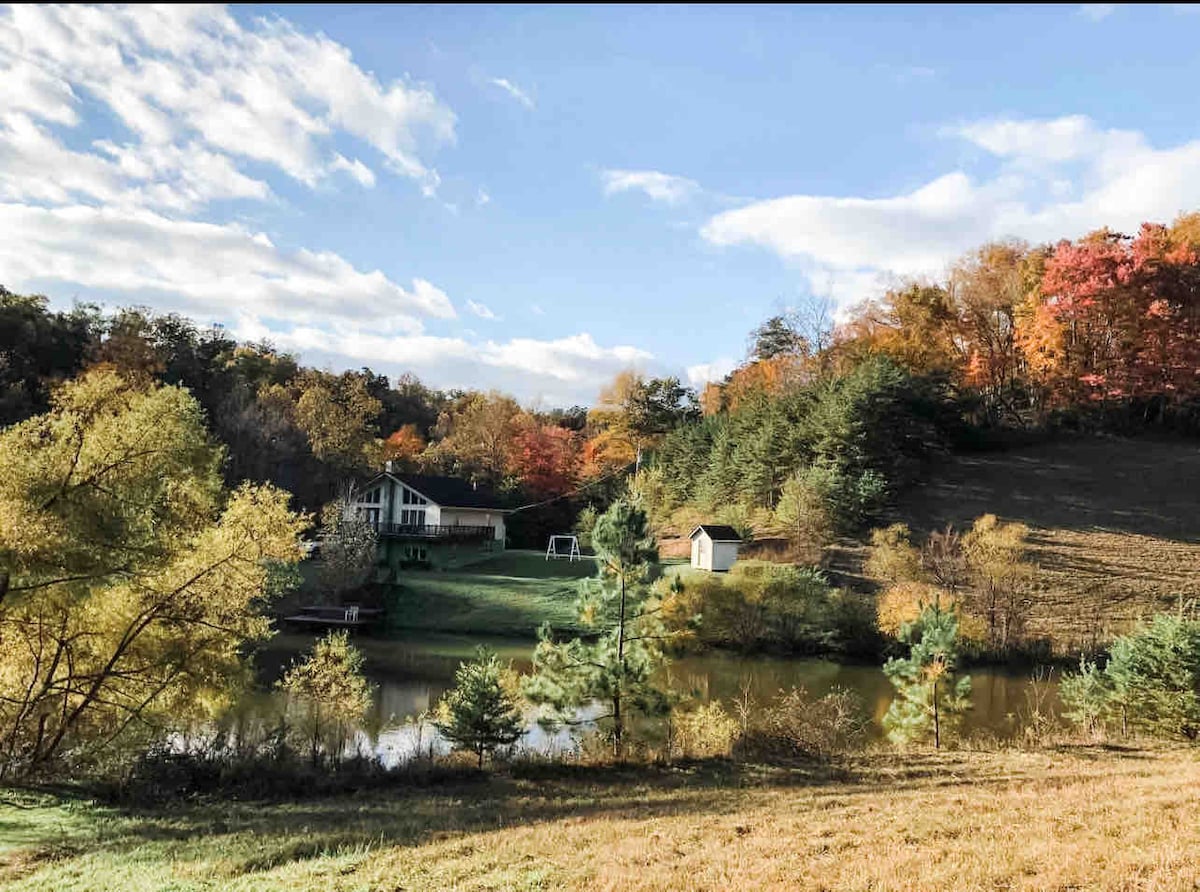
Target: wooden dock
(349,616)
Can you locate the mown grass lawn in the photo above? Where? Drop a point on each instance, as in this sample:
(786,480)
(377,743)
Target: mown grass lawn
(1075,818)
(508,595)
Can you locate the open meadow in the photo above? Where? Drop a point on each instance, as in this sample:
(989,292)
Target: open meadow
(1071,818)
(1114,523)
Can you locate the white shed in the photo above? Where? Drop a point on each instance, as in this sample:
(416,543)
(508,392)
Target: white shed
(714,546)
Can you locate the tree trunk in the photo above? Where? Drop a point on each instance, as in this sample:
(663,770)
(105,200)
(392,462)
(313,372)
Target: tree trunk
(618,719)
(937,726)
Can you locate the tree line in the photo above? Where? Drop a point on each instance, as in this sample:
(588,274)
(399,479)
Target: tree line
(310,431)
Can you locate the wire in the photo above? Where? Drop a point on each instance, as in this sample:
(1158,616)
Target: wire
(577,490)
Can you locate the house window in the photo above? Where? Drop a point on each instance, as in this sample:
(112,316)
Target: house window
(411,498)
(416,553)
(412,517)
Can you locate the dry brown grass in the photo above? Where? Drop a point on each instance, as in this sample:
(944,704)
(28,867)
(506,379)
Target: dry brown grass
(1078,818)
(970,822)
(1116,528)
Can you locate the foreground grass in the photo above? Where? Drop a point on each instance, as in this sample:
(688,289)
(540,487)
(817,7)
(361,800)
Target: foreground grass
(1068,819)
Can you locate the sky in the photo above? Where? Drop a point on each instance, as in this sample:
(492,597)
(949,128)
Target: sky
(531,199)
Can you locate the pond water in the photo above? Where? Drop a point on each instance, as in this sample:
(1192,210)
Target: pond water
(411,675)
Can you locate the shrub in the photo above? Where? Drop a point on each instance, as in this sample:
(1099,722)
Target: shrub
(762,605)
(705,732)
(794,725)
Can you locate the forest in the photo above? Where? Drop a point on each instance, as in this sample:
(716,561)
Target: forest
(821,423)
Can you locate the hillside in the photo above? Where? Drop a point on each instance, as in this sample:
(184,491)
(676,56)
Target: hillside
(1116,526)
(1117,819)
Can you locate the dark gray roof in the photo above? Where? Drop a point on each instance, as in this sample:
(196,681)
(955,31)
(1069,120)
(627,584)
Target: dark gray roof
(452,492)
(718,532)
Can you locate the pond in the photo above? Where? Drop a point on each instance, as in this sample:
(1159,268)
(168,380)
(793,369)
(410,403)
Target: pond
(412,674)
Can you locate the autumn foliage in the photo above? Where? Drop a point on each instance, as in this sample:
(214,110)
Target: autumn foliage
(1107,319)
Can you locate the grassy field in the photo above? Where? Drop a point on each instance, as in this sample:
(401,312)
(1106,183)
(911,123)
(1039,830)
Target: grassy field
(1080,818)
(1116,530)
(510,594)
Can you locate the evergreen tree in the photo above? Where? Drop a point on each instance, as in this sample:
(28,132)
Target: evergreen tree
(1086,695)
(479,714)
(616,667)
(929,691)
(1154,676)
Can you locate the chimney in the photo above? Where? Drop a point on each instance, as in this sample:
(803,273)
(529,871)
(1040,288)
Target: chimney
(389,466)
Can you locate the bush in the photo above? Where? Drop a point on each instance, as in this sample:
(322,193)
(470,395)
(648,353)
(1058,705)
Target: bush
(794,725)
(761,605)
(702,733)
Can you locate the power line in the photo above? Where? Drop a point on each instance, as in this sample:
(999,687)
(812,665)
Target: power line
(577,490)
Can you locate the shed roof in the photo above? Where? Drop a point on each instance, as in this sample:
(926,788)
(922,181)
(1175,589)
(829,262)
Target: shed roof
(718,532)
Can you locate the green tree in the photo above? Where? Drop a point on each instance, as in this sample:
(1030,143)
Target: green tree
(330,694)
(129,578)
(480,714)
(617,666)
(804,513)
(929,690)
(778,336)
(1154,676)
(1086,696)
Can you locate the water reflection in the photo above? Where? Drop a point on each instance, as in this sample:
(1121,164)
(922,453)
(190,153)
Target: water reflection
(412,675)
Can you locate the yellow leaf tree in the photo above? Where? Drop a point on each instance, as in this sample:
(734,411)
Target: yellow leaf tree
(129,577)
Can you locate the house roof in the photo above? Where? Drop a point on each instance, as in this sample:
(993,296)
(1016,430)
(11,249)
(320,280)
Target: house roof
(452,492)
(718,532)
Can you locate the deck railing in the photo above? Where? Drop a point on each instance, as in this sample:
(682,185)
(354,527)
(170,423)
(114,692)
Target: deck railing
(442,531)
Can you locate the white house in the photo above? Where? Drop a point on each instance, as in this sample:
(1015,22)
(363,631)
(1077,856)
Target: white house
(430,520)
(714,546)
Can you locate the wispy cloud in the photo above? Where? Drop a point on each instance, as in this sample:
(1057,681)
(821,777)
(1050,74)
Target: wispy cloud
(658,186)
(513,90)
(480,310)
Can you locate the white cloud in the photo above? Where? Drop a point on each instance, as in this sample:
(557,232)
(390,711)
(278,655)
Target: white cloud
(562,371)
(482,198)
(1047,179)
(658,186)
(1097,11)
(480,310)
(196,98)
(513,90)
(205,269)
(191,82)
(363,174)
(701,374)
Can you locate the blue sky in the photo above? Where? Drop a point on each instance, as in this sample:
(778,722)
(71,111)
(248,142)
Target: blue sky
(534,198)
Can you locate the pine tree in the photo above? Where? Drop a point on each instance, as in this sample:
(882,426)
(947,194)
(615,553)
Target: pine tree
(617,666)
(929,691)
(480,714)
(1087,696)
